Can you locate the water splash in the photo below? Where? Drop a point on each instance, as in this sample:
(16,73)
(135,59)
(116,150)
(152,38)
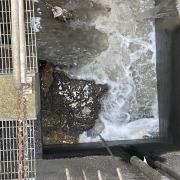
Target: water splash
(128,66)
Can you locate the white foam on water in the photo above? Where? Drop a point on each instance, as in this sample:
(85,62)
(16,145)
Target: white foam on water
(113,67)
(142,128)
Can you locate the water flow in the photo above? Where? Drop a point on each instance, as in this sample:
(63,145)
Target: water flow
(128,67)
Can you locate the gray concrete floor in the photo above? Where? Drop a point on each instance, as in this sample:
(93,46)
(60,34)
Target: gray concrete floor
(56,169)
(172,159)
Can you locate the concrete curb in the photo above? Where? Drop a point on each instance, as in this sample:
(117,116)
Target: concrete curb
(148,171)
(167,169)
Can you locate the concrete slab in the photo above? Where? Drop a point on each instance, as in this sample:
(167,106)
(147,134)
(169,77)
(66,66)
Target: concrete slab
(172,159)
(8,98)
(57,169)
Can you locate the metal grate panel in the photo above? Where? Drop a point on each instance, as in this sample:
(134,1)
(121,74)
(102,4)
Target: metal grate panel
(9,150)
(31,60)
(5,37)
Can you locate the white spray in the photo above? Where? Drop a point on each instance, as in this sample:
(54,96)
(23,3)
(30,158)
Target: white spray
(114,67)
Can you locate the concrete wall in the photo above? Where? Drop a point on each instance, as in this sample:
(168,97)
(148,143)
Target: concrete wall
(163,44)
(167,44)
(8,98)
(174,126)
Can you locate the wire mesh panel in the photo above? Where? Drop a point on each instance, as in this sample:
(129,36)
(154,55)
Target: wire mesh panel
(31,59)
(5,37)
(17,152)
(9,150)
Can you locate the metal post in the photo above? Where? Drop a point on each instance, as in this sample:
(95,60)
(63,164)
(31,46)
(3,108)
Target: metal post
(148,171)
(15,44)
(22,41)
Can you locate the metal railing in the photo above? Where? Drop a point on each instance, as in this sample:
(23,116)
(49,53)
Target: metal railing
(17,56)
(9,150)
(6,65)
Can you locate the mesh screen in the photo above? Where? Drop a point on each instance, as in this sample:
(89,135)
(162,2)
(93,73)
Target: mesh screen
(9,150)
(6,66)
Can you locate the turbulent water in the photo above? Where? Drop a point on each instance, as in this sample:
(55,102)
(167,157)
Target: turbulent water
(128,66)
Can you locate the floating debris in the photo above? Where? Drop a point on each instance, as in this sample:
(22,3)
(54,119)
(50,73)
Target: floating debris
(61,14)
(58,12)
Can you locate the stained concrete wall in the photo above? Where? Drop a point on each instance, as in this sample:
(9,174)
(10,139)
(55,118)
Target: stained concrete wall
(8,98)
(174,126)
(70,44)
(167,44)
(164,65)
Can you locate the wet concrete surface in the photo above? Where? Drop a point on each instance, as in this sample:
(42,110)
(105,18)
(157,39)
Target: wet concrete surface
(74,42)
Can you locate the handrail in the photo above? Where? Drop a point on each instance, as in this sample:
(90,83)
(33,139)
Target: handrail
(22,41)
(15,43)
(18,45)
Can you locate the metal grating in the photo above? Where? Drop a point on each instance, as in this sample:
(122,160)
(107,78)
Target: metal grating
(9,150)
(17,152)
(5,37)
(31,60)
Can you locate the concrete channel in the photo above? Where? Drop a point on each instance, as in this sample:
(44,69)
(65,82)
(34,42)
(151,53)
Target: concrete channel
(131,67)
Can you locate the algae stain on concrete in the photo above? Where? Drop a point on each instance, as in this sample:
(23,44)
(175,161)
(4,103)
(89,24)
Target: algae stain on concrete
(8,100)
(74,42)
